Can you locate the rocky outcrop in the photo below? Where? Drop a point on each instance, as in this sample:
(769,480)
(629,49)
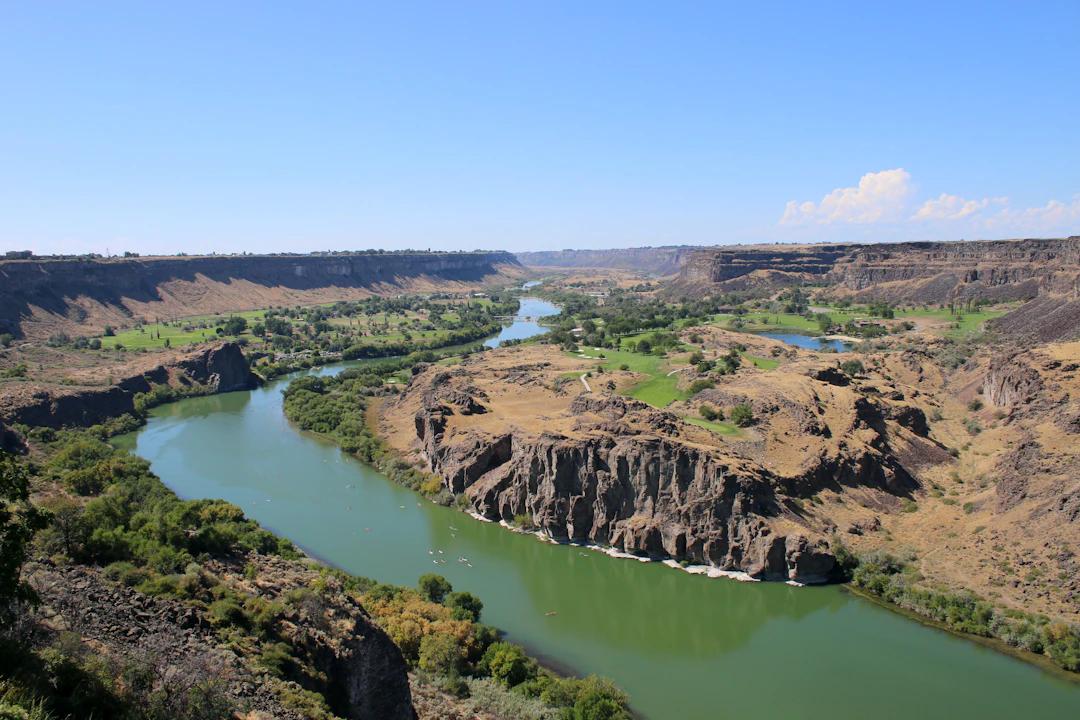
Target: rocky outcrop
(649,497)
(360,671)
(628,481)
(1010,381)
(222,368)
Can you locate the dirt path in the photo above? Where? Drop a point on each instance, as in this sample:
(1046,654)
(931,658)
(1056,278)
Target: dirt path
(585,383)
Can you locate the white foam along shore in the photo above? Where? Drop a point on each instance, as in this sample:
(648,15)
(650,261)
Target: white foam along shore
(707,570)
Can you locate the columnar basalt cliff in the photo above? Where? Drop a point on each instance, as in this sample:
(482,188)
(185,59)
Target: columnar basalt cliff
(942,271)
(923,272)
(81,296)
(613,471)
(220,368)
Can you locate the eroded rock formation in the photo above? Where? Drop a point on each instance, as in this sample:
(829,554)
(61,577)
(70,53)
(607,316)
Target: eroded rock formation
(221,368)
(609,470)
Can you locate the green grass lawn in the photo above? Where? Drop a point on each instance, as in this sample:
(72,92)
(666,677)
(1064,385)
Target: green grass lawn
(760,362)
(965,323)
(788,322)
(717,426)
(659,389)
(147,336)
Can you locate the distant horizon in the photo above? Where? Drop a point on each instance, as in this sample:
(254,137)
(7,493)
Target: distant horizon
(134,254)
(164,129)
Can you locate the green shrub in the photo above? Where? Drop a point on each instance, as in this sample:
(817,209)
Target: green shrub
(699,385)
(227,612)
(508,664)
(742,415)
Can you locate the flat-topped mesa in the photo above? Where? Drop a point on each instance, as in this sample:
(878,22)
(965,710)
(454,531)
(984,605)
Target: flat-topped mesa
(604,469)
(80,296)
(943,271)
(922,272)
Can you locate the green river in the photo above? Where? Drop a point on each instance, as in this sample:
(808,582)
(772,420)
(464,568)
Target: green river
(683,646)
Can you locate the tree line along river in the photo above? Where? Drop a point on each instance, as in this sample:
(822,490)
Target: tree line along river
(683,646)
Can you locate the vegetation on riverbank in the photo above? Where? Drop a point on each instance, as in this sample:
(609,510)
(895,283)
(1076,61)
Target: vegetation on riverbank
(895,582)
(101,507)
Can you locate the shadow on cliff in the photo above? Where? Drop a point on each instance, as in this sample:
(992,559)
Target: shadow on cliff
(54,285)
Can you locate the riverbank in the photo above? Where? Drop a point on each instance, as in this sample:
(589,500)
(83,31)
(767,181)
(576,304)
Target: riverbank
(617,619)
(348,392)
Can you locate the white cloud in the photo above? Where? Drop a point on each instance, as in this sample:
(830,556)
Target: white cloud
(880,196)
(883,198)
(953,207)
(1055,217)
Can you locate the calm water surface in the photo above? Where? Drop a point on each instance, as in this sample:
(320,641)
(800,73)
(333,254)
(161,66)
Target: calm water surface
(526,324)
(810,342)
(683,646)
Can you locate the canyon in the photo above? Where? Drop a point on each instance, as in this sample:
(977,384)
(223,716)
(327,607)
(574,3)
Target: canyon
(39,297)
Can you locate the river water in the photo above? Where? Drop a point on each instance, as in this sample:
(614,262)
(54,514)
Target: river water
(683,646)
(526,324)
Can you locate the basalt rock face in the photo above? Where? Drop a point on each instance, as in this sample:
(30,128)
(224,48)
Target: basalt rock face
(923,272)
(77,292)
(938,272)
(1010,381)
(719,265)
(360,671)
(625,479)
(222,368)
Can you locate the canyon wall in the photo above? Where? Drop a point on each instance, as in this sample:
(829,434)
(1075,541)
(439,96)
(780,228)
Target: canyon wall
(613,471)
(221,368)
(40,296)
(919,272)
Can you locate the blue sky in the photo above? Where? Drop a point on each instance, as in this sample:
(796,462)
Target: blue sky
(166,127)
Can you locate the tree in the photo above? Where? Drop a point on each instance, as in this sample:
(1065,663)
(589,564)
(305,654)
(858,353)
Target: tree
(710,413)
(434,587)
(465,605)
(109,331)
(71,530)
(441,654)
(235,325)
(19,521)
(742,415)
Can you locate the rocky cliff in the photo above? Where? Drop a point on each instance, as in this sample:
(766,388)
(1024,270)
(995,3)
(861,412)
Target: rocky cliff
(81,296)
(599,468)
(939,272)
(923,272)
(221,368)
